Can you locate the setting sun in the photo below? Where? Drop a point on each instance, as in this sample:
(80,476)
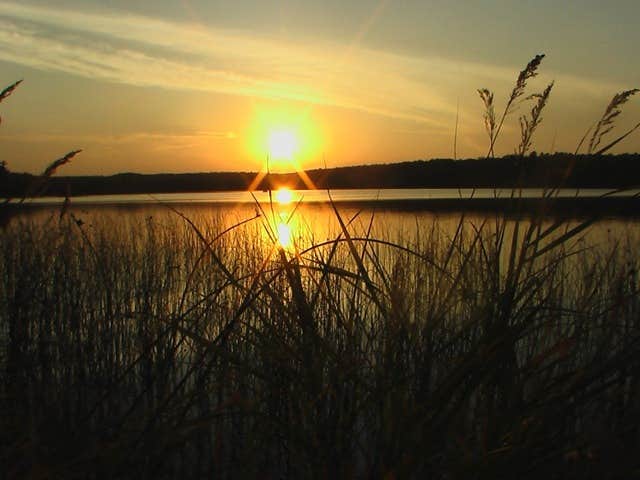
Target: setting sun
(288,136)
(282,144)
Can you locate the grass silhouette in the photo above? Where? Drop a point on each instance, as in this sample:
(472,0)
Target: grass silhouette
(184,346)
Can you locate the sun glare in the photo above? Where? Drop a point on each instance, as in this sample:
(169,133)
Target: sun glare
(282,144)
(287,137)
(284,235)
(284,196)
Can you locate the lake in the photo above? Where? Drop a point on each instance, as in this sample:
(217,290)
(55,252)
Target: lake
(345,195)
(216,322)
(306,217)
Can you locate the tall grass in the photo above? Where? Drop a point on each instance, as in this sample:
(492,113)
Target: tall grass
(178,345)
(130,355)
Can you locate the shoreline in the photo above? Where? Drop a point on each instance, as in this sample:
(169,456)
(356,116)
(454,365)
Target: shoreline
(624,207)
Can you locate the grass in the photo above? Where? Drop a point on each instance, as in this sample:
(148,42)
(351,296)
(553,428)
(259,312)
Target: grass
(137,350)
(193,346)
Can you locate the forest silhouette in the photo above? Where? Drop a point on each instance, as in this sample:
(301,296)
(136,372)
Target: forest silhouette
(510,171)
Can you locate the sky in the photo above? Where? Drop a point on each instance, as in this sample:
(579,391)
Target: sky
(201,85)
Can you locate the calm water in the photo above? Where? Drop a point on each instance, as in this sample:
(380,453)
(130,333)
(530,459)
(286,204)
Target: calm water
(314,196)
(306,217)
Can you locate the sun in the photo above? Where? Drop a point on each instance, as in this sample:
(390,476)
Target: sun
(284,196)
(283,138)
(282,144)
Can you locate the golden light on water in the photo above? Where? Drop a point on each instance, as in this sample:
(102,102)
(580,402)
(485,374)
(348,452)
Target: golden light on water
(284,196)
(287,229)
(285,238)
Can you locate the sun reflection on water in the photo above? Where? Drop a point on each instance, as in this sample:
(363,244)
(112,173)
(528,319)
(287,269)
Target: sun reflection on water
(284,196)
(285,239)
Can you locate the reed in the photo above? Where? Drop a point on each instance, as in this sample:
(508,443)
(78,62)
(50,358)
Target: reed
(187,345)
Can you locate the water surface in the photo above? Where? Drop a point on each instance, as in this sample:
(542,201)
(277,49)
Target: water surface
(344,195)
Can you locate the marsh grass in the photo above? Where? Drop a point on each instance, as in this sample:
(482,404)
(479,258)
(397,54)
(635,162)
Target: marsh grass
(137,349)
(178,345)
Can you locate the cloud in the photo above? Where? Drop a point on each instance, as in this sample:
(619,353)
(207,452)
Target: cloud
(145,51)
(179,138)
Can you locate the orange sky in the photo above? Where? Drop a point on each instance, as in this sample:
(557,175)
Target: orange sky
(197,86)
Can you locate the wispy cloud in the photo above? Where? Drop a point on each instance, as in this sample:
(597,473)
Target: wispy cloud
(179,138)
(146,51)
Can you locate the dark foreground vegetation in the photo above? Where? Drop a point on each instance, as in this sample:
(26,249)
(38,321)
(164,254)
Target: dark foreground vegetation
(178,346)
(537,170)
(160,348)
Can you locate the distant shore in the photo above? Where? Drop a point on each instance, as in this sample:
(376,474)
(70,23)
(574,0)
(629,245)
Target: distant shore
(533,171)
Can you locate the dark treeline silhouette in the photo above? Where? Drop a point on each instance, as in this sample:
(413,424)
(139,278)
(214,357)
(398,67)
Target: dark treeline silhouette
(535,170)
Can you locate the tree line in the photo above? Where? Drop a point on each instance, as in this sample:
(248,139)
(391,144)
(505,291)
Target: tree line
(534,170)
